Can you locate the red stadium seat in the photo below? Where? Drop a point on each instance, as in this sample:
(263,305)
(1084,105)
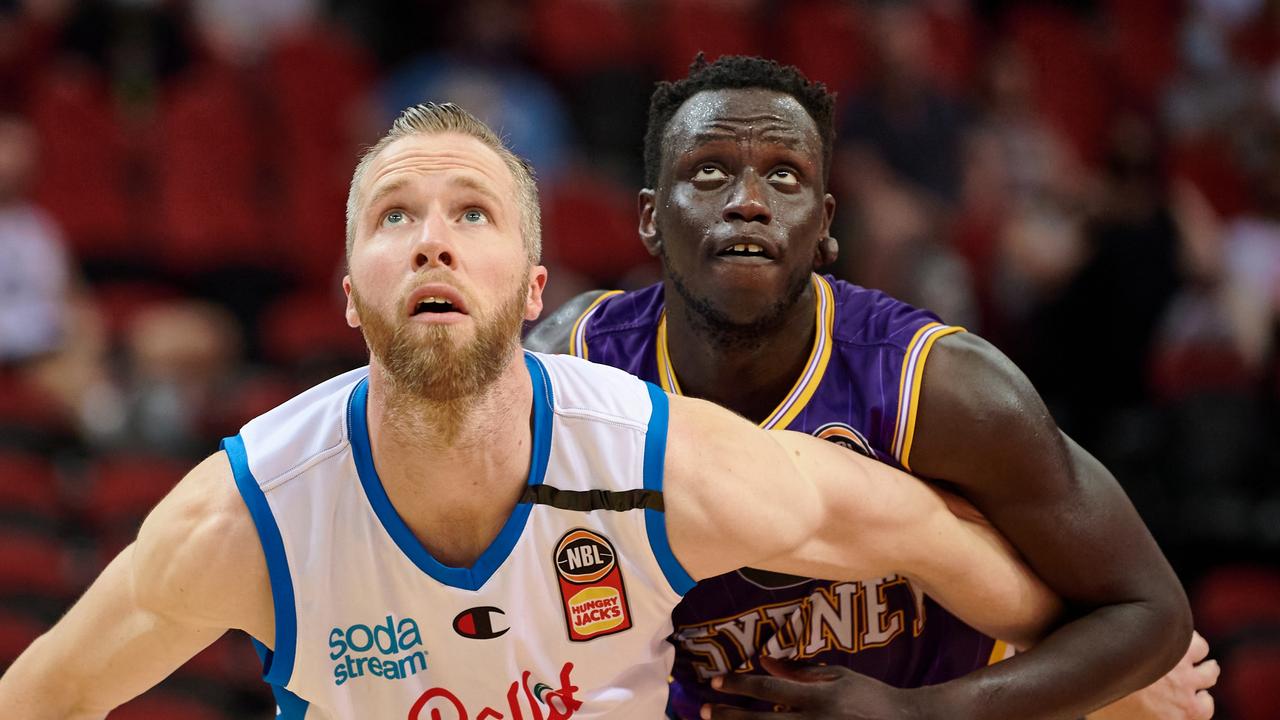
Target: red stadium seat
(824,39)
(28,484)
(1250,685)
(164,704)
(1070,86)
(308,326)
(207,173)
(1144,55)
(17,631)
(122,490)
(589,226)
(33,564)
(83,165)
(562,46)
(314,144)
(30,413)
(715,27)
(1234,598)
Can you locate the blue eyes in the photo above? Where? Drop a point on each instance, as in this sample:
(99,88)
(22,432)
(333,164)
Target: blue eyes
(473,216)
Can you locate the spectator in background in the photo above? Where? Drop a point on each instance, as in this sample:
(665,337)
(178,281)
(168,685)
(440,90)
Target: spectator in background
(35,276)
(482,68)
(901,115)
(1127,271)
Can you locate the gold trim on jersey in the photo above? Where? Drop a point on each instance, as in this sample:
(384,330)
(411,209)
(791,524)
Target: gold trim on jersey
(806,385)
(578,338)
(1000,651)
(909,387)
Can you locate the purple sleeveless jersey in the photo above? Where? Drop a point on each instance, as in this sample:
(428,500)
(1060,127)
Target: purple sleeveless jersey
(860,388)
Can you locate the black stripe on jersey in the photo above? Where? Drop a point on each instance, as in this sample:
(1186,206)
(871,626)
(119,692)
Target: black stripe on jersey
(588,500)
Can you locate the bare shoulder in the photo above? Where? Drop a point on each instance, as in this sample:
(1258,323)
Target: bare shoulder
(554,333)
(966,369)
(198,557)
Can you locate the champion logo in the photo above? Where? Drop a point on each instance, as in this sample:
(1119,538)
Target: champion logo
(480,623)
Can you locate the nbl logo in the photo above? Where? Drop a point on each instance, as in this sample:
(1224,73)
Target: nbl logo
(595,600)
(584,557)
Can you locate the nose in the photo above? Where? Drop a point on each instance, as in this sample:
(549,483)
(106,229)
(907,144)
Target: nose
(433,247)
(747,201)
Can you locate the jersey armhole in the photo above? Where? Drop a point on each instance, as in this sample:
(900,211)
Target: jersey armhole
(578,338)
(655,453)
(909,387)
(277,665)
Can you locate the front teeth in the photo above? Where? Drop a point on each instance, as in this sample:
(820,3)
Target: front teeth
(748,248)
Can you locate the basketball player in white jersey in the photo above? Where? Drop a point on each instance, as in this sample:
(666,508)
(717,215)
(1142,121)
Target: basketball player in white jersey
(466,531)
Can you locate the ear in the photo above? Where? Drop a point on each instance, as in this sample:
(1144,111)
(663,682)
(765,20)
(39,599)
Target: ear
(646,203)
(828,247)
(533,300)
(353,316)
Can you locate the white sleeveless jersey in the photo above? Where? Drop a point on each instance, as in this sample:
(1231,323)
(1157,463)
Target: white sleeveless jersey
(565,615)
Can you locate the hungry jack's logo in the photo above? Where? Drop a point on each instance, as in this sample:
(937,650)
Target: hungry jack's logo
(595,600)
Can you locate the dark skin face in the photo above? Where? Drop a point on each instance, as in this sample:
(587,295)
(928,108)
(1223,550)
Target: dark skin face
(740,218)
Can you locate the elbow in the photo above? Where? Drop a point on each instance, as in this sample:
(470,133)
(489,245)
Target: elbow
(1175,623)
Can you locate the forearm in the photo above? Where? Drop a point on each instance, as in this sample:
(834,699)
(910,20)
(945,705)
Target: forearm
(31,689)
(975,573)
(1113,651)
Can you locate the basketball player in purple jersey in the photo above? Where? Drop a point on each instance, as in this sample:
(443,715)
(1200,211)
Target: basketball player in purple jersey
(737,156)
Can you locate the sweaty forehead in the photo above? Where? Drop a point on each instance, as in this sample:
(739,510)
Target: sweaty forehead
(440,154)
(741,114)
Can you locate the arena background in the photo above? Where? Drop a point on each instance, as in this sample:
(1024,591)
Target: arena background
(1095,186)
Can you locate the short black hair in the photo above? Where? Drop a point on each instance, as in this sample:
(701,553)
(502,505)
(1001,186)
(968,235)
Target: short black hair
(732,72)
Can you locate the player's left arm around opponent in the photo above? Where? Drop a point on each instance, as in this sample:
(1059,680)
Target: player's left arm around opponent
(738,496)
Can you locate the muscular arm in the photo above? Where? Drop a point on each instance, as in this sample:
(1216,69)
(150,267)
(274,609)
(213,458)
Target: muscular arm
(739,496)
(554,332)
(192,573)
(984,431)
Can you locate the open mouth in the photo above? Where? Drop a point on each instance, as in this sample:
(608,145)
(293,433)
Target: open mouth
(433,304)
(747,250)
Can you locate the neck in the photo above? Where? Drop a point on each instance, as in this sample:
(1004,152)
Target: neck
(456,434)
(749,378)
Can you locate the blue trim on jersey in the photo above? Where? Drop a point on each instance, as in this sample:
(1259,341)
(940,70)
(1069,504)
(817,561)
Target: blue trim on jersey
(277,666)
(474,577)
(288,705)
(655,521)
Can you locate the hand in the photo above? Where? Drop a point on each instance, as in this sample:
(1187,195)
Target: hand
(1183,694)
(830,692)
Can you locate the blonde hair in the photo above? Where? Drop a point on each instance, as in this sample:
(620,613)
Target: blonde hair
(433,118)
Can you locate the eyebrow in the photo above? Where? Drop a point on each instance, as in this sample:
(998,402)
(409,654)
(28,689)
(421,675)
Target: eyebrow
(383,191)
(470,183)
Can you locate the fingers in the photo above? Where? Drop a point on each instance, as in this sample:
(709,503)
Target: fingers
(1207,674)
(724,712)
(1199,649)
(1203,708)
(800,671)
(779,691)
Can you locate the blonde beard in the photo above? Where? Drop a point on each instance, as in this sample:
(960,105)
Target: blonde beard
(426,370)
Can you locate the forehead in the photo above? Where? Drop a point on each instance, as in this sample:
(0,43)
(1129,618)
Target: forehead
(439,155)
(739,114)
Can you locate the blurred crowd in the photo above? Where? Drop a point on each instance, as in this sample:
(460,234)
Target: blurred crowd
(1094,186)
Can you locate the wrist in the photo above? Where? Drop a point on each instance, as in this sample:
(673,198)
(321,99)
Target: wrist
(951,700)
